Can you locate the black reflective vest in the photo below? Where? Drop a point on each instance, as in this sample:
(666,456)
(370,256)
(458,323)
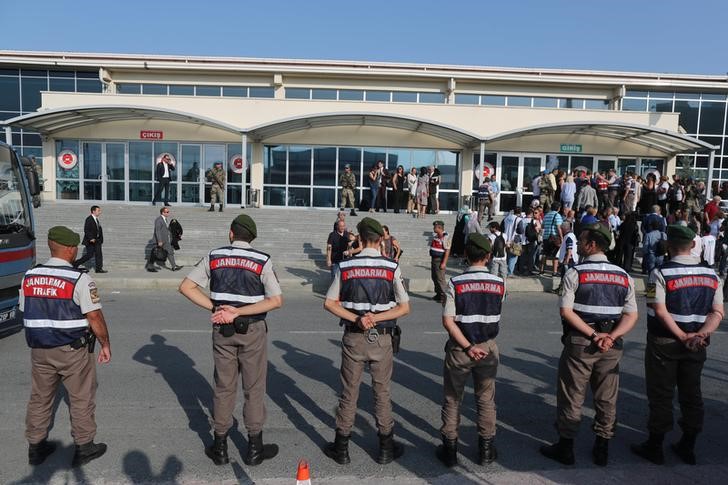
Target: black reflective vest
(437,246)
(367,285)
(689,293)
(51,318)
(235,277)
(478,299)
(601,293)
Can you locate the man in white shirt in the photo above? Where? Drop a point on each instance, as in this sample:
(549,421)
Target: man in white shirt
(708,242)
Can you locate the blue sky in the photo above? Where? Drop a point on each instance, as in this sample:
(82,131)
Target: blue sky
(638,35)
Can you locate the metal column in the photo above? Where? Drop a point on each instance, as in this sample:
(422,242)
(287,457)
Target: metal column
(709,188)
(244,154)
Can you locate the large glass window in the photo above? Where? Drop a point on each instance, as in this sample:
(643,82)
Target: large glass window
(299,165)
(9,94)
(32,86)
(140,160)
(67,181)
(324,166)
(274,169)
(688,115)
(712,117)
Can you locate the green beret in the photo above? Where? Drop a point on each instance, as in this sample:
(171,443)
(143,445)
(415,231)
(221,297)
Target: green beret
(246,222)
(479,241)
(600,228)
(438,223)
(64,236)
(371,225)
(679,233)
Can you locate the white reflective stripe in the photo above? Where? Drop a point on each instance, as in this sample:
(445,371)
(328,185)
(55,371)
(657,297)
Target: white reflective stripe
(63,273)
(478,318)
(56,323)
(601,267)
(239,252)
(380,307)
(437,250)
(232,297)
(599,310)
(477,275)
(687,318)
(366,261)
(699,270)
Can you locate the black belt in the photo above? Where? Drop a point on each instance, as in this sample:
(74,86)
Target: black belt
(82,341)
(379,330)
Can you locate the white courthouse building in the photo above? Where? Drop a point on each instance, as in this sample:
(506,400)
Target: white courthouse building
(284,129)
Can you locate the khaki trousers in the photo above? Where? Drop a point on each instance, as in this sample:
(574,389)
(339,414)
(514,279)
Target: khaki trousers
(247,355)
(457,368)
(578,370)
(347,198)
(76,369)
(668,364)
(356,352)
(217,195)
(438,277)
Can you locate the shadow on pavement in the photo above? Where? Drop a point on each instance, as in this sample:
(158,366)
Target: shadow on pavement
(137,467)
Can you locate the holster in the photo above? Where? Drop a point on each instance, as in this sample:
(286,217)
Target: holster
(241,324)
(396,338)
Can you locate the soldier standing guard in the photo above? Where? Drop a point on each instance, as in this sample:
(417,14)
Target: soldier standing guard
(216,176)
(684,306)
(368,295)
(60,304)
(598,308)
(439,252)
(347,181)
(471,317)
(243,288)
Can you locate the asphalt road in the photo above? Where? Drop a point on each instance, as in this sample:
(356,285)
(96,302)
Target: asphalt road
(155,399)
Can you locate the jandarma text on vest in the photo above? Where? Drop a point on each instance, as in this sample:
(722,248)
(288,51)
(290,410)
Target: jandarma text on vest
(692,282)
(379,273)
(479,287)
(47,286)
(238,263)
(603,278)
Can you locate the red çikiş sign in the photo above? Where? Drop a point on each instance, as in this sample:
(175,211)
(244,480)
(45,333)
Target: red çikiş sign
(151,135)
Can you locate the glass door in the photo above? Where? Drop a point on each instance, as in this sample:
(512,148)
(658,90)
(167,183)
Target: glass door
(604,164)
(532,167)
(115,155)
(190,173)
(212,155)
(91,172)
(507,167)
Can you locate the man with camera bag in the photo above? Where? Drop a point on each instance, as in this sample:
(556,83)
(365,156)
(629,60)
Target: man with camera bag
(368,296)
(243,288)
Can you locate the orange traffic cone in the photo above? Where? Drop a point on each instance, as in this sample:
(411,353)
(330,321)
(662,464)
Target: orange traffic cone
(303,477)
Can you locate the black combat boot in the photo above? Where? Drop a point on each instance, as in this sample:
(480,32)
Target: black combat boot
(220,210)
(38,452)
(389,449)
(447,452)
(352,213)
(487,452)
(685,448)
(86,453)
(651,450)
(257,451)
(212,208)
(339,449)
(561,451)
(600,451)
(218,451)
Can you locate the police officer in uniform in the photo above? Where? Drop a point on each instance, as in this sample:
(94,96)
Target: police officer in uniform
(598,308)
(439,252)
(347,181)
(217,188)
(62,318)
(243,288)
(471,317)
(684,306)
(368,296)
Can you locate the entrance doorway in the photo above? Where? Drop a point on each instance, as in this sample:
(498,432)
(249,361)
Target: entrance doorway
(517,171)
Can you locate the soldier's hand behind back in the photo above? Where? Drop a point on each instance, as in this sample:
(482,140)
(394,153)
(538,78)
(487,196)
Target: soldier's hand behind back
(476,353)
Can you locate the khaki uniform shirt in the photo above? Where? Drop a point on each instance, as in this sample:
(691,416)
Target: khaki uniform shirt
(570,283)
(85,294)
(400,294)
(200,274)
(347,180)
(217,174)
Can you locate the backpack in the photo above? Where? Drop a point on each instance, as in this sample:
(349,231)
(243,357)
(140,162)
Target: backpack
(531,232)
(499,246)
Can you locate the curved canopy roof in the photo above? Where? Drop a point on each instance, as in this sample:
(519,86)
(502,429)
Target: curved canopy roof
(666,141)
(53,120)
(454,135)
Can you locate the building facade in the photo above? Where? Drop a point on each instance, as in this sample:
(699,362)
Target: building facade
(284,129)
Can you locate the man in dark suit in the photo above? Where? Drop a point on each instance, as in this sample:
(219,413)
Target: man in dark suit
(93,238)
(162,239)
(163,174)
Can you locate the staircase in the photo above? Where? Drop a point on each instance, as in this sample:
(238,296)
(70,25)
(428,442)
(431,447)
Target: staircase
(295,238)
